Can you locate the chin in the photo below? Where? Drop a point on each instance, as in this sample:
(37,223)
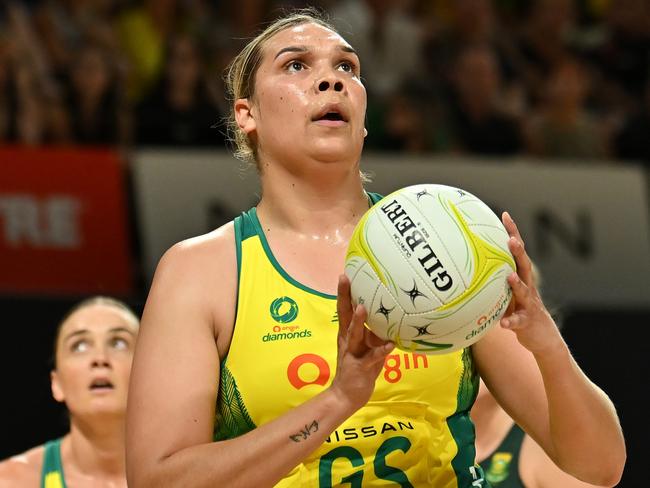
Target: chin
(334,151)
(106,406)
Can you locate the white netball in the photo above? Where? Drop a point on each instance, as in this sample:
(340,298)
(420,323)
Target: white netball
(430,264)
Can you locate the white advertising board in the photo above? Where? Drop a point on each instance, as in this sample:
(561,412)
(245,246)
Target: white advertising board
(586,226)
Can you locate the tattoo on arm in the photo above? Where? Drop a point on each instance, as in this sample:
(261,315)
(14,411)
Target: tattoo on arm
(304,433)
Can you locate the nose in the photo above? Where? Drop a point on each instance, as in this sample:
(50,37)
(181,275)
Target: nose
(100,359)
(325,85)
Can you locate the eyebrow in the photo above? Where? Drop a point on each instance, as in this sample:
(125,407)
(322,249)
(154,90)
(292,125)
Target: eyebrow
(304,49)
(86,331)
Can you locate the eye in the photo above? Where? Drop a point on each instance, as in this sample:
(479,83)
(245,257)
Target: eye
(79,346)
(294,66)
(120,344)
(347,66)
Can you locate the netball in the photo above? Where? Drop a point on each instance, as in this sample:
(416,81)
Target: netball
(430,264)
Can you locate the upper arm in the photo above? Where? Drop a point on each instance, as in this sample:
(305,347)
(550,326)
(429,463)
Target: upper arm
(175,372)
(513,377)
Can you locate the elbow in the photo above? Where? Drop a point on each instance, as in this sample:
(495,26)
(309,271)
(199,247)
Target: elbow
(142,475)
(606,472)
(610,470)
(151,471)
(138,478)
(135,478)
(613,475)
(606,480)
(616,465)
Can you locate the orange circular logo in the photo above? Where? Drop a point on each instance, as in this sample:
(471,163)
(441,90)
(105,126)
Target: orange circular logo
(293,370)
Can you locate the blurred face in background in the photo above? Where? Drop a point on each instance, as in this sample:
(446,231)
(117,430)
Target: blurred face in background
(476,77)
(90,73)
(94,350)
(184,63)
(567,85)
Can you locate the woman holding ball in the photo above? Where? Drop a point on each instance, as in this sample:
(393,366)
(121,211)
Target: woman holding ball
(253,369)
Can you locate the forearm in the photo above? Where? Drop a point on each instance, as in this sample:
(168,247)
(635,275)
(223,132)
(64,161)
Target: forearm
(257,459)
(586,436)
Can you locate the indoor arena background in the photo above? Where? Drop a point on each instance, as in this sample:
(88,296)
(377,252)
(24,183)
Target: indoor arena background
(112,149)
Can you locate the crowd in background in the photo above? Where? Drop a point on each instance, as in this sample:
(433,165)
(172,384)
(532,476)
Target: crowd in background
(548,78)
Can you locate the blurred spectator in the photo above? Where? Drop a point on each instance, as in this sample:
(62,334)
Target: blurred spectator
(387,40)
(65,25)
(401,125)
(545,40)
(562,126)
(21,117)
(180,112)
(464,23)
(95,108)
(463,76)
(27,91)
(624,54)
(469,23)
(247,16)
(143,31)
(478,122)
(631,142)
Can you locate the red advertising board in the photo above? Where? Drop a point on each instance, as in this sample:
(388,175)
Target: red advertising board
(63,222)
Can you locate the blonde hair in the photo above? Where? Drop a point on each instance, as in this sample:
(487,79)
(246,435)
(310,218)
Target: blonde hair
(241,72)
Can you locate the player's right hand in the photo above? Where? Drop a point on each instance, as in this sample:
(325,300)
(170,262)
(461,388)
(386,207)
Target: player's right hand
(361,354)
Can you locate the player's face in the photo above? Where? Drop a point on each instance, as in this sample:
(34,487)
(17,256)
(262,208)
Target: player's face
(309,99)
(93,361)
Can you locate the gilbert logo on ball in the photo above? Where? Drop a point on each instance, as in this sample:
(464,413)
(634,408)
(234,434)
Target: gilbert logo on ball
(430,264)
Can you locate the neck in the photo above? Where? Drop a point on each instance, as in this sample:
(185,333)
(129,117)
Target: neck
(96,448)
(318,202)
(492,425)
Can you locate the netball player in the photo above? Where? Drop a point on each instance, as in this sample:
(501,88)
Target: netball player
(510,457)
(252,369)
(92,362)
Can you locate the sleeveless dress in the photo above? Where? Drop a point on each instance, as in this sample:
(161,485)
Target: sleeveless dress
(414,432)
(502,466)
(52,471)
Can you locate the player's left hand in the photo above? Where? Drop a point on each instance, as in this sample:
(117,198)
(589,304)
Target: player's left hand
(527,316)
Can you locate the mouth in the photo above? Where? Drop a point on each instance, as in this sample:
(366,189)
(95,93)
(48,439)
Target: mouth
(101,385)
(331,115)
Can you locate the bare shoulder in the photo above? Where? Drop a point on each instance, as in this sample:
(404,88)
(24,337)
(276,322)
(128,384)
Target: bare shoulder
(198,256)
(22,469)
(197,271)
(185,330)
(537,470)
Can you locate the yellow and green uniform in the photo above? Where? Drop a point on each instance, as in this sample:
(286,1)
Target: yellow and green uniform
(502,466)
(52,471)
(414,432)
